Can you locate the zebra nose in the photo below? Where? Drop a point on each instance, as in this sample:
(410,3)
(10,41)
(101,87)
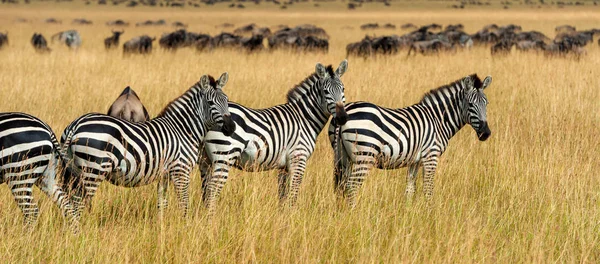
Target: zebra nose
(484,132)
(228,127)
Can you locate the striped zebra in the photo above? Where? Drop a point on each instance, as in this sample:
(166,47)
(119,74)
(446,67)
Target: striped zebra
(29,155)
(281,137)
(99,147)
(414,136)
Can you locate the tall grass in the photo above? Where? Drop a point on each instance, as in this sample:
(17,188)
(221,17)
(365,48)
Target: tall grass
(528,194)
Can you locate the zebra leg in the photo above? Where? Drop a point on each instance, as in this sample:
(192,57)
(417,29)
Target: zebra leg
(163,184)
(91,182)
(204,173)
(283,181)
(21,187)
(340,176)
(429,168)
(296,170)
(411,179)
(215,183)
(181,182)
(358,172)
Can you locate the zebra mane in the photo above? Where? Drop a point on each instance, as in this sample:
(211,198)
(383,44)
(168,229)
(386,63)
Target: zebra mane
(431,94)
(186,96)
(301,89)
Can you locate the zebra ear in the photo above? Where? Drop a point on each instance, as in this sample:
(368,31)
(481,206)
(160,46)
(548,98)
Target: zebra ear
(222,80)
(204,83)
(342,68)
(486,82)
(320,70)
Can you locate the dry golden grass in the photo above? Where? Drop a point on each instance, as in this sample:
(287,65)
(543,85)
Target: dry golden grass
(528,194)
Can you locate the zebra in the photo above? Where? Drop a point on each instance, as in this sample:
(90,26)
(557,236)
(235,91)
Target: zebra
(414,136)
(30,155)
(282,137)
(71,38)
(98,147)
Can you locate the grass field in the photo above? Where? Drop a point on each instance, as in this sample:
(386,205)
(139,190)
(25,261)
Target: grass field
(531,193)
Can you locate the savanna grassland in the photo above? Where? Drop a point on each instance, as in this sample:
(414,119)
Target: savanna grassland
(531,193)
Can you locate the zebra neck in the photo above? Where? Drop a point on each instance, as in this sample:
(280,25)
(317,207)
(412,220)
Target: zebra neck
(310,109)
(446,108)
(184,116)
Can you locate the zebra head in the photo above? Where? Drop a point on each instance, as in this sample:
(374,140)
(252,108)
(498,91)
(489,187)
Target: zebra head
(332,90)
(216,103)
(476,105)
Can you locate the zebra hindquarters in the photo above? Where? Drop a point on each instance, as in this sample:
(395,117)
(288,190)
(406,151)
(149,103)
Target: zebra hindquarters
(20,181)
(362,158)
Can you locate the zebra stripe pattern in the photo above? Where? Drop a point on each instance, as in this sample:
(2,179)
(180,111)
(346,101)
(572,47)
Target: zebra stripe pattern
(100,147)
(282,137)
(414,136)
(29,155)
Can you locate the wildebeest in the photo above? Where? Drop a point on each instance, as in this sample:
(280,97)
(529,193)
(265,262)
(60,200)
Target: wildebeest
(39,43)
(179,38)
(113,41)
(430,46)
(128,106)
(225,40)
(369,26)
(117,22)
(408,26)
(160,22)
(53,21)
(526,45)
(140,45)
(254,43)
(503,47)
(81,21)
(564,28)
(71,38)
(179,24)
(3,39)
(252,29)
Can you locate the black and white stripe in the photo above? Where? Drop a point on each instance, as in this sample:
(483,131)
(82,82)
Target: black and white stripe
(29,155)
(100,147)
(281,137)
(414,136)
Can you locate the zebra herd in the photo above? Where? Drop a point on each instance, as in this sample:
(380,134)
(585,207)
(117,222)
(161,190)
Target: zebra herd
(202,127)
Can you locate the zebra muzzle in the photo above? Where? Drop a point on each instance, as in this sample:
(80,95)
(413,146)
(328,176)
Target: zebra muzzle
(228,127)
(484,133)
(341,117)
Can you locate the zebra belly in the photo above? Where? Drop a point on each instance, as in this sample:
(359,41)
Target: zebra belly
(253,158)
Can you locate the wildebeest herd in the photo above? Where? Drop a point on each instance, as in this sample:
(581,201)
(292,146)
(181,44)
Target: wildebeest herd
(433,39)
(425,40)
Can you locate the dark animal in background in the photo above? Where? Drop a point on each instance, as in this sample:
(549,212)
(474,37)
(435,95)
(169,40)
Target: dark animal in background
(129,106)
(81,21)
(117,22)
(39,43)
(113,41)
(502,47)
(70,38)
(138,45)
(254,43)
(178,39)
(3,39)
(53,21)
